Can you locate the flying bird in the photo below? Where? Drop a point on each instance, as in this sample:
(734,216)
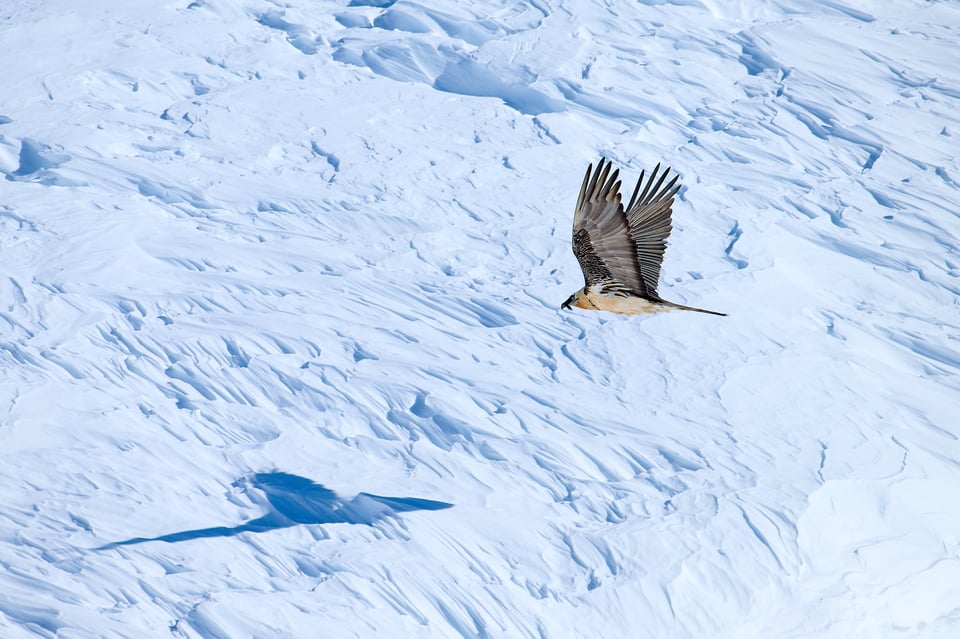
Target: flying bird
(620,252)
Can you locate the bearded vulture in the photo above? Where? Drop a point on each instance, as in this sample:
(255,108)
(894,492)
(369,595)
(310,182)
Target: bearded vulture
(620,252)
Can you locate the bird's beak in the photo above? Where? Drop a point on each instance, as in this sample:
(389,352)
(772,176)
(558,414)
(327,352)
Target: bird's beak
(566,305)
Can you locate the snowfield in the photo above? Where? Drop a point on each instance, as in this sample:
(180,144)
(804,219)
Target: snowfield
(281,352)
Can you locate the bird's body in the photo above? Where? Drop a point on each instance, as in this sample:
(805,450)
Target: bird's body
(620,251)
(594,299)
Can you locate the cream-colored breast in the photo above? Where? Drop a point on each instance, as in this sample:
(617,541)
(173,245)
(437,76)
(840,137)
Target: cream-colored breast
(619,304)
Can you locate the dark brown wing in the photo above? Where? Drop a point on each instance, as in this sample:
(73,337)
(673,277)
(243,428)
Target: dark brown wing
(648,215)
(601,235)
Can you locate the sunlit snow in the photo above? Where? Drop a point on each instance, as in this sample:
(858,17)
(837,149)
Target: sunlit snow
(281,346)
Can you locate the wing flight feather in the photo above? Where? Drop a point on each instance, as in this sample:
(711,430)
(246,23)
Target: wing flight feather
(649,219)
(602,241)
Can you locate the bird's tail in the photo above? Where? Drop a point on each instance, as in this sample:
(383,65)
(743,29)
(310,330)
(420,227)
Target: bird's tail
(693,308)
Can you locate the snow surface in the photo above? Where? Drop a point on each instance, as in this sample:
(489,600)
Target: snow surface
(281,352)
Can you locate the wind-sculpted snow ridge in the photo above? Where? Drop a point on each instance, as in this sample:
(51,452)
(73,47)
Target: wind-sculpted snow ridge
(281,345)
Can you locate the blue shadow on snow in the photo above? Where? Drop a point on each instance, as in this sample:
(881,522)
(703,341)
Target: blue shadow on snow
(293,501)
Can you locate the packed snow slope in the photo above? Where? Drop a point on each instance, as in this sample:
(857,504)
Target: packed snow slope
(281,352)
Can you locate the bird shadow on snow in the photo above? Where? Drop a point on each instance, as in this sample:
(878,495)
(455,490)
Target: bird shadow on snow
(294,501)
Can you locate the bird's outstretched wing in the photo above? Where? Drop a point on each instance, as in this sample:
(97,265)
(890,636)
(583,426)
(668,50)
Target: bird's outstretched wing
(648,215)
(602,240)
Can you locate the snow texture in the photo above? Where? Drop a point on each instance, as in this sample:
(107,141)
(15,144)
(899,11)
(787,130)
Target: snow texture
(281,352)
